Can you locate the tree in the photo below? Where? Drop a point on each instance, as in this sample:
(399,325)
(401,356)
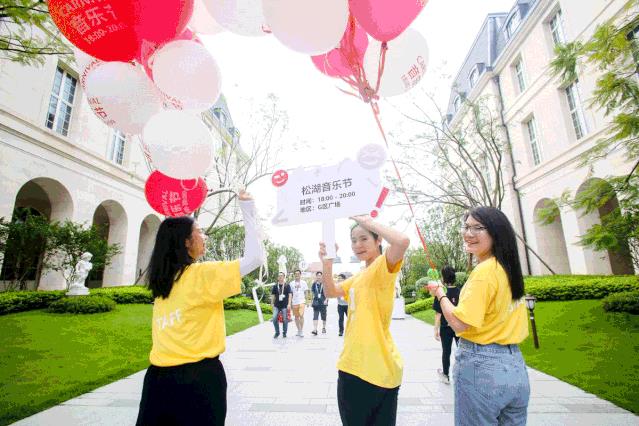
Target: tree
(613,51)
(27,33)
(469,156)
(241,165)
(22,243)
(441,229)
(69,240)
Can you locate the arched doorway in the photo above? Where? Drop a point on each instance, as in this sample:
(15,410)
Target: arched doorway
(39,198)
(551,242)
(111,220)
(617,262)
(148,231)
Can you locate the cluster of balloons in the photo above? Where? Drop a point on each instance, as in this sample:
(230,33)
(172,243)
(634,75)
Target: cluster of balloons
(146,73)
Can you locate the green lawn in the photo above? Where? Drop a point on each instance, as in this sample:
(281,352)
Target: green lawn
(582,344)
(48,358)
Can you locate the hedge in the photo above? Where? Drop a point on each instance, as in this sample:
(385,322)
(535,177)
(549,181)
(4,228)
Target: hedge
(82,305)
(627,301)
(420,305)
(125,295)
(576,287)
(18,301)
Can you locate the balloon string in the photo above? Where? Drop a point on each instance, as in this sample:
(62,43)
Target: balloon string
(369,95)
(147,152)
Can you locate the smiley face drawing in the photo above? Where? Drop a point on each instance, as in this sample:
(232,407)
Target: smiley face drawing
(371,156)
(279,178)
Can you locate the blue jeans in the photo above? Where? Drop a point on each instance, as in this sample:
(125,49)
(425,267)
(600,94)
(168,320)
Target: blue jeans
(491,385)
(284,319)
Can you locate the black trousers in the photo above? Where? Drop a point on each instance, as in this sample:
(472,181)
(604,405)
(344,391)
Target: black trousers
(190,394)
(361,403)
(341,311)
(447,335)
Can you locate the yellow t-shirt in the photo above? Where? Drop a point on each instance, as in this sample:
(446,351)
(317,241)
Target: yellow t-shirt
(369,350)
(486,305)
(188,326)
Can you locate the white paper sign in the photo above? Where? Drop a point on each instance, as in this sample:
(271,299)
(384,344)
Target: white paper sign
(324,193)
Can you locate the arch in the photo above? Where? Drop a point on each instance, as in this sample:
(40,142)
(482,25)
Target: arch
(551,241)
(148,230)
(616,262)
(44,197)
(112,220)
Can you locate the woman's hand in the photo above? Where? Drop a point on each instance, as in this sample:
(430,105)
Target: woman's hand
(437,334)
(244,196)
(362,219)
(322,253)
(433,287)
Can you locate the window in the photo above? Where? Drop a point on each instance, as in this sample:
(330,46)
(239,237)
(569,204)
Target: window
(457,103)
(531,125)
(61,102)
(474,75)
(557,29)
(519,75)
(512,24)
(116,148)
(576,113)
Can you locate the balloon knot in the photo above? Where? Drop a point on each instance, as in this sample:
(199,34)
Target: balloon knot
(367,93)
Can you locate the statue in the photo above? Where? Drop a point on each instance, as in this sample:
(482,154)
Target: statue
(81,272)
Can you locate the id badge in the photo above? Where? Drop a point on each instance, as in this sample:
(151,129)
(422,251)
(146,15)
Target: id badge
(281,297)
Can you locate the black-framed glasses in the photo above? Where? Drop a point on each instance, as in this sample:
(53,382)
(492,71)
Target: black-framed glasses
(474,230)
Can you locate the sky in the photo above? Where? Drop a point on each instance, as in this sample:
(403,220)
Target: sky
(333,125)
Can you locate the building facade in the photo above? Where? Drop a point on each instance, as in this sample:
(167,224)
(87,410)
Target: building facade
(547,125)
(61,161)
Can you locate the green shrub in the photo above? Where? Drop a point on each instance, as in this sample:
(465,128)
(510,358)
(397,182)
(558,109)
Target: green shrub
(235,303)
(18,301)
(420,305)
(82,305)
(409,300)
(266,308)
(125,295)
(627,301)
(460,278)
(577,287)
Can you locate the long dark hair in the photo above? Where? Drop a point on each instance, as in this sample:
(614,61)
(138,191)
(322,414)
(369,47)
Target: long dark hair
(375,235)
(170,256)
(504,245)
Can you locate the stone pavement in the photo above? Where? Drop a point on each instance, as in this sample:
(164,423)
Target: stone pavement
(293,381)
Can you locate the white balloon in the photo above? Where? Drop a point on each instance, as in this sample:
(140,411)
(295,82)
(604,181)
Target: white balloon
(243,17)
(202,21)
(312,27)
(180,144)
(405,65)
(186,71)
(122,96)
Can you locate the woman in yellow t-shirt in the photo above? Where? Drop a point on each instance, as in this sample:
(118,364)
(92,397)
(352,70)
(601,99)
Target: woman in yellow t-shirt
(370,366)
(491,381)
(186,384)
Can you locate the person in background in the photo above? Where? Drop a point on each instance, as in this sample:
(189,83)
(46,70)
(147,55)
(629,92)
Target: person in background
(281,302)
(491,381)
(342,307)
(443,332)
(299,289)
(186,383)
(319,303)
(370,367)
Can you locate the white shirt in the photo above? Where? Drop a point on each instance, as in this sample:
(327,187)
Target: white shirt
(299,289)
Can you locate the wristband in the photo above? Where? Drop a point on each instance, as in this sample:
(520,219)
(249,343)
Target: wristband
(440,299)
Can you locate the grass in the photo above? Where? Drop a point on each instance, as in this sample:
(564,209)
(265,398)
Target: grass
(583,345)
(46,359)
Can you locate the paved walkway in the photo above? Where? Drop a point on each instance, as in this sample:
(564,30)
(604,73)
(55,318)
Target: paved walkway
(292,381)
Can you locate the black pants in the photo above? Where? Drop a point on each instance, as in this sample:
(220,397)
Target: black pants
(190,394)
(361,403)
(341,311)
(447,335)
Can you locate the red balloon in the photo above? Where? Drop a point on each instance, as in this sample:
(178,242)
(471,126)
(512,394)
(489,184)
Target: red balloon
(383,19)
(113,30)
(352,47)
(174,197)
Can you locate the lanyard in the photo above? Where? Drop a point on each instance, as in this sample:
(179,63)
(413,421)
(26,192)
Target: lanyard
(280,290)
(320,289)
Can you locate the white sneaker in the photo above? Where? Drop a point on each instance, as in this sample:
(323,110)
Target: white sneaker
(444,378)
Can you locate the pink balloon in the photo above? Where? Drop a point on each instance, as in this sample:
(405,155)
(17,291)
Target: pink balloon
(336,62)
(384,20)
(145,57)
